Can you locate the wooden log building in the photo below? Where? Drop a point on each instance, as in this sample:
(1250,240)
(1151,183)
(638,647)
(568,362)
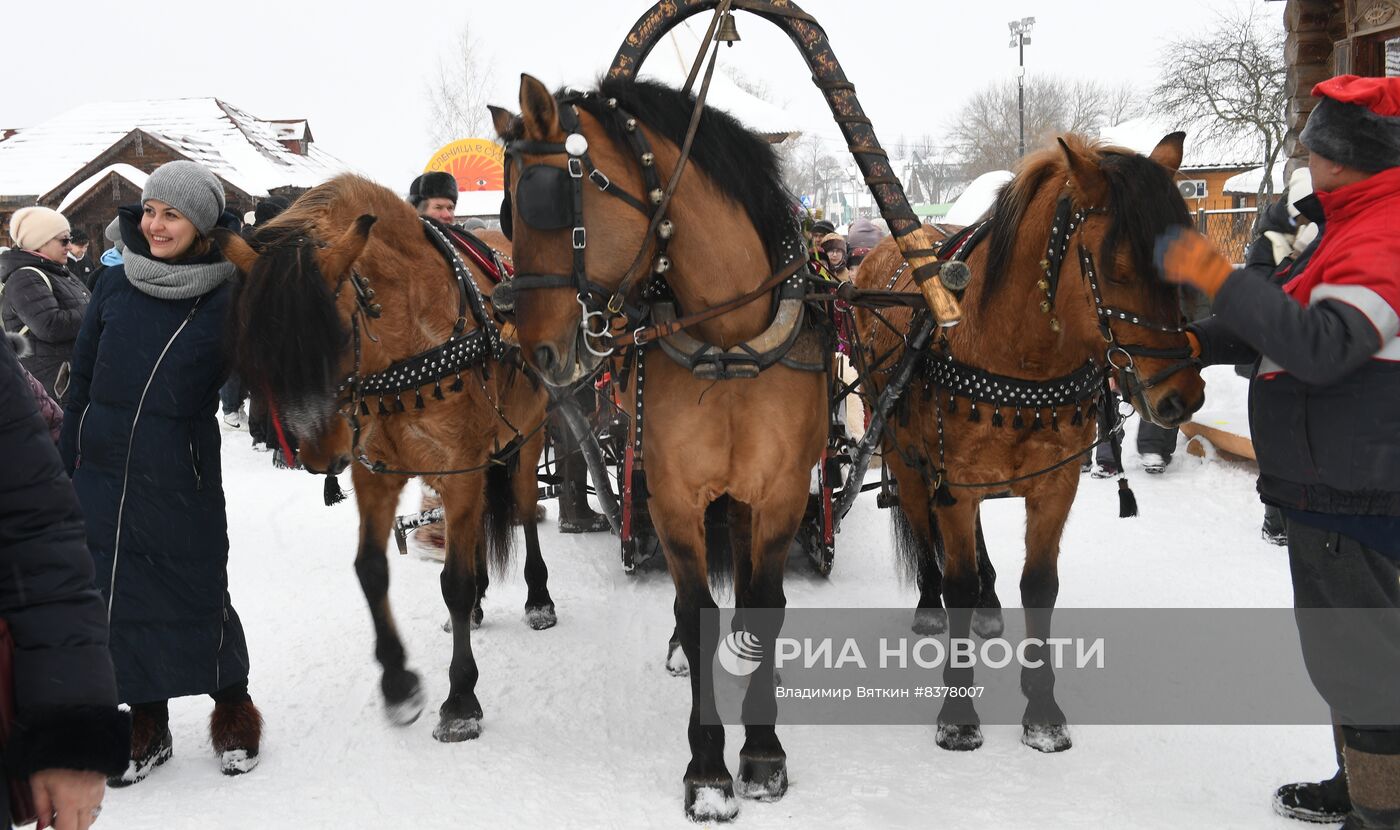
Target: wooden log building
(89,160)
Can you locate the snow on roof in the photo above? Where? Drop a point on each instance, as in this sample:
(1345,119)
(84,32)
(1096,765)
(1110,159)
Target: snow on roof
(1142,135)
(977,199)
(1248,182)
(126,171)
(242,150)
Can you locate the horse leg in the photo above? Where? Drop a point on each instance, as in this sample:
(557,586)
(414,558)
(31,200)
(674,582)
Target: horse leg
(959,727)
(986,620)
(539,605)
(1043,724)
(709,788)
(917,546)
(377,497)
(459,718)
(762,558)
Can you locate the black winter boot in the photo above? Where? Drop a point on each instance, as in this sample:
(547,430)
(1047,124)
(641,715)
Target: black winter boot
(1320,802)
(575,514)
(151,745)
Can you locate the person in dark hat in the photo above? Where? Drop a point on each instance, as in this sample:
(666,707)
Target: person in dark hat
(434,194)
(1324,338)
(816,231)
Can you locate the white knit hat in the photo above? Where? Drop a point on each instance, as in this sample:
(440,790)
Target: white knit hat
(32,227)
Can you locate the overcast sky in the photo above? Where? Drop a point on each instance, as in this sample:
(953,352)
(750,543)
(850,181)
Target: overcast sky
(359,71)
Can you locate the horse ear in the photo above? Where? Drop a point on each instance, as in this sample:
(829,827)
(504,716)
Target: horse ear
(504,121)
(1169,151)
(1084,175)
(235,249)
(348,247)
(538,110)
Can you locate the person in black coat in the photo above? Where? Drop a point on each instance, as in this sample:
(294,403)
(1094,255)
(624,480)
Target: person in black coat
(40,298)
(141,438)
(79,264)
(70,734)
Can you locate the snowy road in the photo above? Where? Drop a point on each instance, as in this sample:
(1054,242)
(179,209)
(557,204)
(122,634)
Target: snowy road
(584,728)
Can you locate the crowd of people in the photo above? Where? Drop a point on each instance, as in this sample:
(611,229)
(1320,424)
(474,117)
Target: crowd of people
(114,534)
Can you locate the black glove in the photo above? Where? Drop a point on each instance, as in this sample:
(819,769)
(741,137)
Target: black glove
(1275,218)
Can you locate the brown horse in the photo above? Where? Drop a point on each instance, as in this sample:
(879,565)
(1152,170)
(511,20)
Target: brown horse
(1064,293)
(746,446)
(345,292)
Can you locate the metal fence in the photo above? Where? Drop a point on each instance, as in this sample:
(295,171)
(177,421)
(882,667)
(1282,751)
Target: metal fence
(1229,228)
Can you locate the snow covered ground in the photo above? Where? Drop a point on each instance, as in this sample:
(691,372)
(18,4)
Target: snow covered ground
(584,728)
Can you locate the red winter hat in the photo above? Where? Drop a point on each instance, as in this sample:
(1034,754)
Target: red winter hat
(1379,95)
(1357,122)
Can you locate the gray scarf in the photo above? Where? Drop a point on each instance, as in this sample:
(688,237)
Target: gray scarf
(165,281)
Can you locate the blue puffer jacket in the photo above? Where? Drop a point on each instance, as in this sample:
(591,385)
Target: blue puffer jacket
(142,443)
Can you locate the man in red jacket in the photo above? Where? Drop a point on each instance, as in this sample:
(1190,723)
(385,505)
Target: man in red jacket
(1325,419)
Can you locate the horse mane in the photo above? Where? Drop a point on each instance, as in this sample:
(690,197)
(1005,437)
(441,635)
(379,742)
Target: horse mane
(287,332)
(1142,199)
(742,165)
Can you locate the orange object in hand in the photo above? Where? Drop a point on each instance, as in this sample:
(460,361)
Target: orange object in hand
(1186,257)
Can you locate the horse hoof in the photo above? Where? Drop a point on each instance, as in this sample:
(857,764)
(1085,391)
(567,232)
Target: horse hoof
(987,623)
(959,737)
(711,800)
(541,618)
(456,730)
(930,622)
(403,698)
(1046,737)
(676,662)
(763,779)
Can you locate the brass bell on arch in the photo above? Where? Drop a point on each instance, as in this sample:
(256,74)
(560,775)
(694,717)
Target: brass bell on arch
(728,32)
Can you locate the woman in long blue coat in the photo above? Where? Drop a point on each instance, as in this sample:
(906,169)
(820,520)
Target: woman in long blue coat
(141,440)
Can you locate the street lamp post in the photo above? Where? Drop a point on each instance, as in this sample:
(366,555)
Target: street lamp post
(1020,38)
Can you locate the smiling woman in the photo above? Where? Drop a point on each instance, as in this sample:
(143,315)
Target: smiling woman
(142,443)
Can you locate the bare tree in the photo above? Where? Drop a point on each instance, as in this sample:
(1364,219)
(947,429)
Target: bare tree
(1229,83)
(810,168)
(1124,103)
(987,131)
(457,96)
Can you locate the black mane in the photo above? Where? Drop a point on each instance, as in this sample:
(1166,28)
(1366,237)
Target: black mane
(741,164)
(1142,201)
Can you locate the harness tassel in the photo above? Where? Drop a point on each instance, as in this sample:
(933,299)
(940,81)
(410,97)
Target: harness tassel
(1127,502)
(364,407)
(382,409)
(437,391)
(952,404)
(1078,417)
(1018,422)
(417,399)
(332,492)
(974,416)
(1038,425)
(1055,420)
(942,495)
(398,404)
(457,385)
(996,417)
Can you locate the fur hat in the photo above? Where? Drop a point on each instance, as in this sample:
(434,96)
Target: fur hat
(189,188)
(1357,122)
(821,228)
(434,185)
(268,208)
(32,227)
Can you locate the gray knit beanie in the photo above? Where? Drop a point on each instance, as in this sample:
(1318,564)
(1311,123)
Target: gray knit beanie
(189,188)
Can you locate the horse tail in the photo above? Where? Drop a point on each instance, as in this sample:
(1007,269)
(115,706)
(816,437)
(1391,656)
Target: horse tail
(722,522)
(498,516)
(912,554)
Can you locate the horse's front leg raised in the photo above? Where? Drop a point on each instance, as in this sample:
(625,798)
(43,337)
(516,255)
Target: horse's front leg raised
(959,727)
(377,496)
(709,788)
(1043,726)
(459,718)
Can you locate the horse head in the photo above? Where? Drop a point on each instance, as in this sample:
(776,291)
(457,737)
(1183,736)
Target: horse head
(291,329)
(1076,226)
